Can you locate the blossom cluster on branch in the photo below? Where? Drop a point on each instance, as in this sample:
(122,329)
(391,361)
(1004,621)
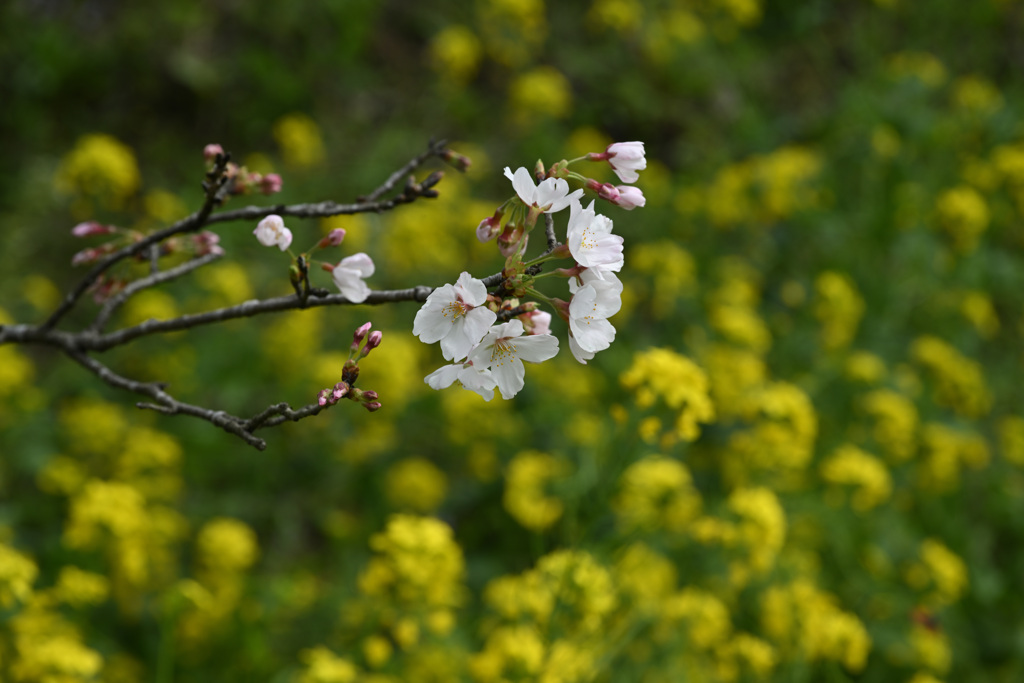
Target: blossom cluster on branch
(488,336)
(486,326)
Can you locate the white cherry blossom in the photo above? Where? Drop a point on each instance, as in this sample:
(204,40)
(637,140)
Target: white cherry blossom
(271,232)
(455,315)
(591,241)
(466,374)
(550,196)
(503,350)
(626,159)
(588,319)
(349,274)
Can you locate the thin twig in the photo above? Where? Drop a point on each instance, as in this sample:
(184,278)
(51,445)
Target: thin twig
(111,304)
(434,149)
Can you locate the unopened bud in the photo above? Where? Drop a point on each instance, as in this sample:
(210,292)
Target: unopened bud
(90,228)
(211,151)
(603,190)
(372,342)
(370,395)
(490,227)
(629,197)
(459,161)
(207,242)
(323,397)
(91,255)
(360,334)
(373,406)
(340,389)
(270,183)
(332,239)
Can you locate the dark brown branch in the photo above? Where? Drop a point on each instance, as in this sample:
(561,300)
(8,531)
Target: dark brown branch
(214,186)
(111,304)
(193,222)
(435,149)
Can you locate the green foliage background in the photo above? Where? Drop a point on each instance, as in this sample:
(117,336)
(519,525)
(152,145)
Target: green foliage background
(831,256)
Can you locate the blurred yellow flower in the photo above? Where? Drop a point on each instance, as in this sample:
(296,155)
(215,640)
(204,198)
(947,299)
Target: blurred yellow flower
(416,484)
(541,93)
(526,497)
(923,66)
(867,474)
(976,94)
(675,379)
(17,573)
(895,428)
(963,213)
(226,546)
(99,169)
(656,493)
(839,308)
(455,52)
(959,380)
(298,138)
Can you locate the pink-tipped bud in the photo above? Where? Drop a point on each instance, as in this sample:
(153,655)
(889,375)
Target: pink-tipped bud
(270,183)
(91,255)
(360,334)
(536,322)
(207,242)
(332,239)
(370,395)
(339,390)
(629,197)
(373,406)
(323,397)
(459,161)
(603,190)
(211,151)
(373,341)
(489,227)
(90,228)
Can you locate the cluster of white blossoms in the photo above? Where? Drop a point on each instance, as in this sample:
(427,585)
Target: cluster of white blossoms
(489,354)
(487,336)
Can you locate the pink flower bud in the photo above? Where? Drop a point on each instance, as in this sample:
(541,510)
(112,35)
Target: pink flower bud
(332,239)
(370,395)
(207,242)
(322,397)
(91,255)
(629,197)
(270,183)
(373,406)
(211,151)
(90,228)
(372,342)
(490,227)
(360,334)
(536,322)
(603,190)
(340,389)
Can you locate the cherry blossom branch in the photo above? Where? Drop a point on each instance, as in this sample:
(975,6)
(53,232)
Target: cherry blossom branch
(214,187)
(168,405)
(216,180)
